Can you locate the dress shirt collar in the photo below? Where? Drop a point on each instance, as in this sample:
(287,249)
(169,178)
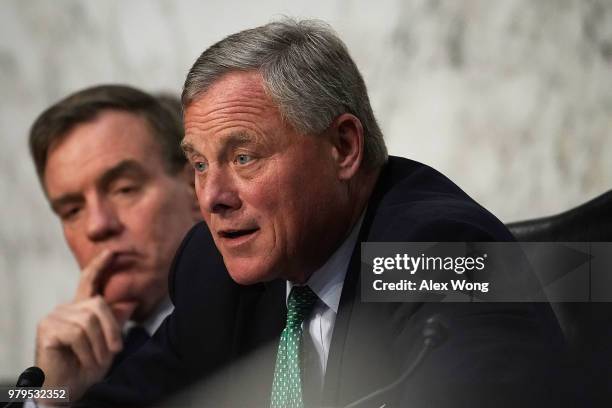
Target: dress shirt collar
(152,323)
(327,281)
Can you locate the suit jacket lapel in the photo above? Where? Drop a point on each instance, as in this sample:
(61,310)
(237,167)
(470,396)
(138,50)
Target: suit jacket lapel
(331,383)
(359,360)
(260,321)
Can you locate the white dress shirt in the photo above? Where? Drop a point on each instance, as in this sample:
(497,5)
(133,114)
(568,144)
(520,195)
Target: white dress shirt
(152,323)
(327,282)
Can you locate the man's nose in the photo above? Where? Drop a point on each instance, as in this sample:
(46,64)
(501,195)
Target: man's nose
(102,220)
(217,193)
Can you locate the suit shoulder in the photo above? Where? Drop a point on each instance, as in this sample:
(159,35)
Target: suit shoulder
(415,202)
(196,256)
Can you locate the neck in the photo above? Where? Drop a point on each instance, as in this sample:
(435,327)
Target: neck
(360,191)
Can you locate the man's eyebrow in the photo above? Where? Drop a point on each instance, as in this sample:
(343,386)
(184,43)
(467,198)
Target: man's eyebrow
(237,138)
(187,147)
(128,167)
(64,199)
(227,142)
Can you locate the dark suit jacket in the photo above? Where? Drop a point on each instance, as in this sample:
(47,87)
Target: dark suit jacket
(222,337)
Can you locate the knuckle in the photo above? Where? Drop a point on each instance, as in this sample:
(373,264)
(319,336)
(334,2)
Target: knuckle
(42,325)
(76,333)
(66,308)
(89,319)
(46,325)
(61,307)
(98,301)
(45,343)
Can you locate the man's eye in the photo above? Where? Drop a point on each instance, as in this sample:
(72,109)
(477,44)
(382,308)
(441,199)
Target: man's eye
(69,213)
(243,159)
(199,166)
(126,189)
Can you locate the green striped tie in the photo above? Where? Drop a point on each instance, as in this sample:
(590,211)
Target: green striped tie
(287,384)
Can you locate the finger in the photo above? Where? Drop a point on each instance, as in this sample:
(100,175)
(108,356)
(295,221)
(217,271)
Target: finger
(89,322)
(70,335)
(47,332)
(110,327)
(88,283)
(79,343)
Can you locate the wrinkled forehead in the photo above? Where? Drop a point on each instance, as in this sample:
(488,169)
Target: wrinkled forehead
(236,103)
(93,147)
(232,85)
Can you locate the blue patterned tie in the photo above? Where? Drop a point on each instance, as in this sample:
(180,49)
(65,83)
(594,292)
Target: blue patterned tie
(287,384)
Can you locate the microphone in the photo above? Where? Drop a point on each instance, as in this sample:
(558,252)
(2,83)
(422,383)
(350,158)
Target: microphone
(30,377)
(434,333)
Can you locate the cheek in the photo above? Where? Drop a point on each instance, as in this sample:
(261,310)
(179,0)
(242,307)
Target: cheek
(119,287)
(81,248)
(174,218)
(307,214)
(159,215)
(284,224)
(294,222)
(131,285)
(157,226)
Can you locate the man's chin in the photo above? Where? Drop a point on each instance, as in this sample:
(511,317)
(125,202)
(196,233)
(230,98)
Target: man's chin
(123,310)
(242,274)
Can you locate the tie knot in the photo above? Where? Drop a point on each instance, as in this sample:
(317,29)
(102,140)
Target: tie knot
(300,302)
(136,337)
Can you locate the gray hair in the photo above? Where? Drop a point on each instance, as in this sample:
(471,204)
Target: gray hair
(307,71)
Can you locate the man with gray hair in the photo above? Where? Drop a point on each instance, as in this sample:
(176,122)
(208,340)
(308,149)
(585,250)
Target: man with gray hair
(292,176)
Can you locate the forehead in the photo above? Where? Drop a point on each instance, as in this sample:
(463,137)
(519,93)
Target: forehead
(235,103)
(90,148)
(236,84)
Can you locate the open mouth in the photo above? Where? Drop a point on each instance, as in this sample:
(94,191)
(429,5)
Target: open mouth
(234,234)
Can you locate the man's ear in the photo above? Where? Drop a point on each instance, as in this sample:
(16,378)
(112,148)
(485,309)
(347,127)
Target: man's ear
(188,177)
(347,140)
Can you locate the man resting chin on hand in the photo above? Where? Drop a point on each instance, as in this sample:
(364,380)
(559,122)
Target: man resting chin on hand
(77,342)
(110,164)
